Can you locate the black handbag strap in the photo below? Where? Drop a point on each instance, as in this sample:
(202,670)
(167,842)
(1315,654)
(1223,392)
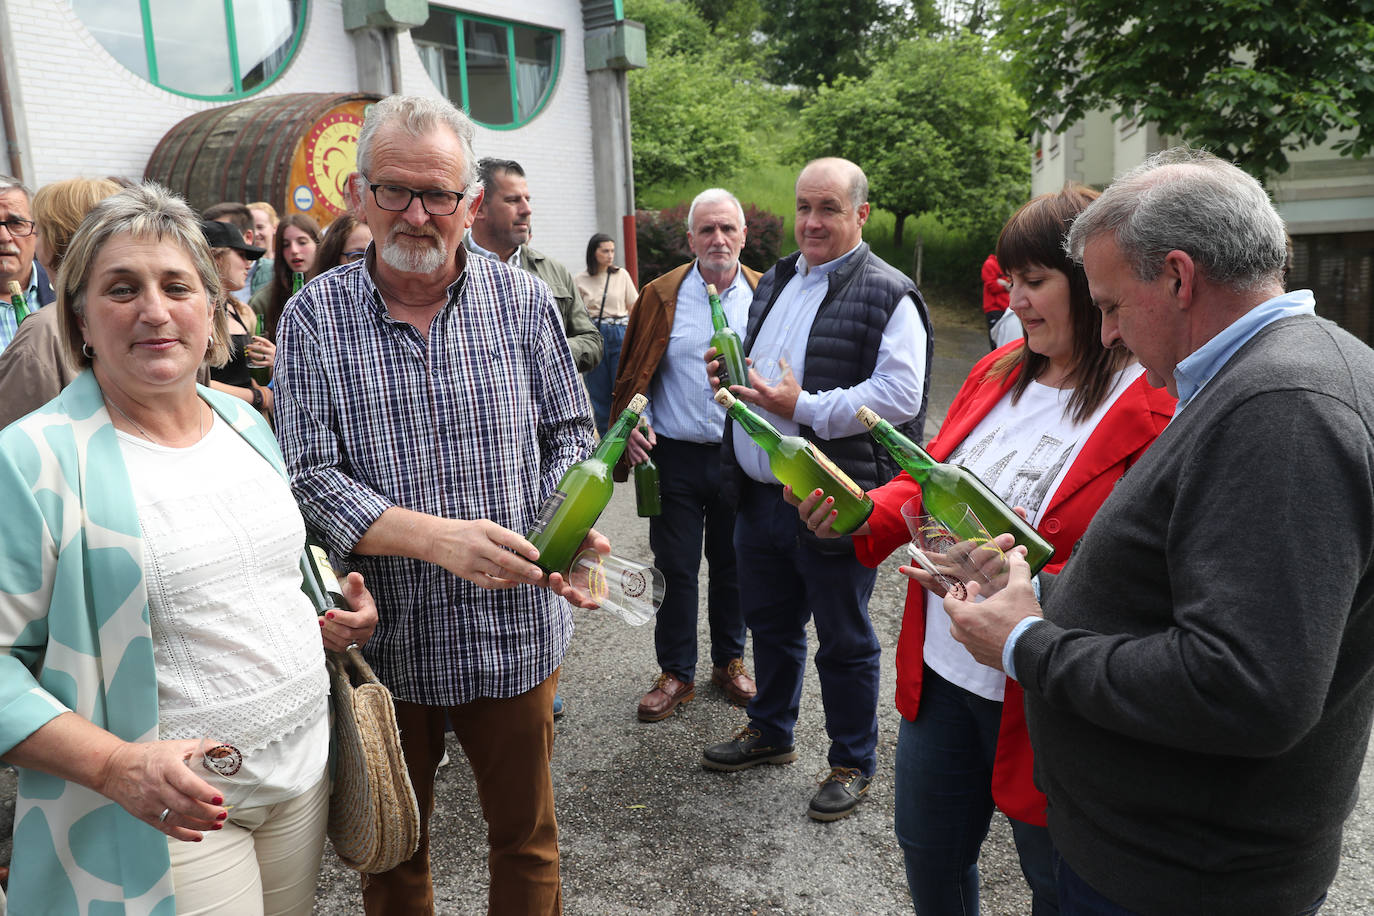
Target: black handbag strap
(604,288)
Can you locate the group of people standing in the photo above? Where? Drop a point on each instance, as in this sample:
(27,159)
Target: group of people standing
(1173,722)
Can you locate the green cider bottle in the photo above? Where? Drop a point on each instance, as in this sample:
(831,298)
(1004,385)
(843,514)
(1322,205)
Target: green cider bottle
(802,466)
(297,281)
(21,308)
(648,500)
(582,495)
(944,486)
(261,374)
(730,351)
(321,583)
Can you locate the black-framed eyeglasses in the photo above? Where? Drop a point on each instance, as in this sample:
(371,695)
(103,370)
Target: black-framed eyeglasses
(357,254)
(397,199)
(20,227)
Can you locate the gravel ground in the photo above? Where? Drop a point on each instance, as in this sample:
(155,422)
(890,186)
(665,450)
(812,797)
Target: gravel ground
(646,830)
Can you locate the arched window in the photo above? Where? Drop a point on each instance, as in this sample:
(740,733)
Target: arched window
(208,49)
(500,73)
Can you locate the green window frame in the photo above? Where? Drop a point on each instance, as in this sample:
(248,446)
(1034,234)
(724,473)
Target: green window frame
(450,56)
(134,43)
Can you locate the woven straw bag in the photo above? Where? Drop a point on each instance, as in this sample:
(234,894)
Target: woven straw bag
(374,822)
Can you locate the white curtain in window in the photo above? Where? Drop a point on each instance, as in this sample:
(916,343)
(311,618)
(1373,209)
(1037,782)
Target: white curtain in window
(531,79)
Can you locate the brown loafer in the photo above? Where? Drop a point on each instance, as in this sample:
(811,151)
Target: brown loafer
(735,681)
(663,699)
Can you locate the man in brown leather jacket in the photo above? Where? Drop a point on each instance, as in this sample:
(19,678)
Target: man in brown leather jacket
(670,328)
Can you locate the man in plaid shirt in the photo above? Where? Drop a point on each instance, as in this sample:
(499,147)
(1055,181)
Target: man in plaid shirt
(427,405)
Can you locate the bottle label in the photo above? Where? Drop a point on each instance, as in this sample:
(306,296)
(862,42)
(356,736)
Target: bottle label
(327,576)
(840,476)
(547,512)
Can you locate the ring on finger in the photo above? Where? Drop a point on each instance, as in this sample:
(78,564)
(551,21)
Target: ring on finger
(162,818)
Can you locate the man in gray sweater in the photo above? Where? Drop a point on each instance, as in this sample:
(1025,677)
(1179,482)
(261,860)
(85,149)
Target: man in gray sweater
(1200,688)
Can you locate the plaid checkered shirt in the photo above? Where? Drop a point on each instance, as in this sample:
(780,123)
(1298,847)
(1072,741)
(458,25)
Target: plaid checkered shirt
(479,420)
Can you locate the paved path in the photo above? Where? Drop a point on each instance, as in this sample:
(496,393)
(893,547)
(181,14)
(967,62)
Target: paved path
(646,830)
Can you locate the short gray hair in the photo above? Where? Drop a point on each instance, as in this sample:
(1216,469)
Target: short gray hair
(144,211)
(714,196)
(10,183)
(1189,200)
(418,115)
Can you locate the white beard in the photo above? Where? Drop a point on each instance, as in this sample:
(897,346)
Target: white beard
(413,258)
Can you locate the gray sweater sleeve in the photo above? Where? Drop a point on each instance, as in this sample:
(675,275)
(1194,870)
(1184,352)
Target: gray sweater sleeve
(1206,611)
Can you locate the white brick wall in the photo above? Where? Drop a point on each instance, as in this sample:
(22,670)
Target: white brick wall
(81,113)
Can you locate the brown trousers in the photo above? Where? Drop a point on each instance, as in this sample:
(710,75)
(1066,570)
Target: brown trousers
(509,744)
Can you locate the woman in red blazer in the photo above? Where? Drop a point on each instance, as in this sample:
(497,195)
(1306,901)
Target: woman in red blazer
(1050,423)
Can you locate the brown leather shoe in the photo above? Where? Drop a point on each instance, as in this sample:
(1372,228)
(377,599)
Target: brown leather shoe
(667,694)
(735,681)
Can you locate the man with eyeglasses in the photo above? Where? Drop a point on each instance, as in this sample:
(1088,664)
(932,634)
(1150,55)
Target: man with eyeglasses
(18,239)
(427,404)
(501,230)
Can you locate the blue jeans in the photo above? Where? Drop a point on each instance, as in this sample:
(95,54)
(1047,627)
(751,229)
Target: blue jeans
(601,380)
(1077,897)
(944,804)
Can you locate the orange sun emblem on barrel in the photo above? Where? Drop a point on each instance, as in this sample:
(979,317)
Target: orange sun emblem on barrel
(331,155)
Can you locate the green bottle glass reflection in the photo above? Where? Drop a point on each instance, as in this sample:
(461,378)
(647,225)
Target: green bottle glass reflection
(582,494)
(21,308)
(648,502)
(262,374)
(802,466)
(944,486)
(297,281)
(730,352)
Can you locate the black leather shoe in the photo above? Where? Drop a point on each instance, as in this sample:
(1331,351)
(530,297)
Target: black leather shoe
(747,749)
(840,793)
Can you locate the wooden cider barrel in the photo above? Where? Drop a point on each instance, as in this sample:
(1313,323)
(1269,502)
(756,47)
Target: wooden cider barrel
(294,151)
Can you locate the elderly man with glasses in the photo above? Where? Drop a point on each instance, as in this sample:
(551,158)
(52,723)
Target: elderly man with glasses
(18,240)
(427,404)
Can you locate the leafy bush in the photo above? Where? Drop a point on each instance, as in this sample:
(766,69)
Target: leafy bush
(661,239)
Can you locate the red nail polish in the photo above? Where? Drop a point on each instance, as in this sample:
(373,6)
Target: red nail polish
(217,800)
(222,815)
(216,826)
(199,838)
(329,616)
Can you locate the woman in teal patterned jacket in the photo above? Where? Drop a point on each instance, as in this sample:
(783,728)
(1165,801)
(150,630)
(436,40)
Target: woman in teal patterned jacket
(90,589)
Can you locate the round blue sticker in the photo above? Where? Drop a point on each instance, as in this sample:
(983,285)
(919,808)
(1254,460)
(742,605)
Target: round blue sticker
(304,198)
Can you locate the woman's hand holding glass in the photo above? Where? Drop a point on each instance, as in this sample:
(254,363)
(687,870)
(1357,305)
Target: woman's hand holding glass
(341,628)
(262,353)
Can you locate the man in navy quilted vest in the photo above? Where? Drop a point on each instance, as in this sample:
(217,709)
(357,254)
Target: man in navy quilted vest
(846,329)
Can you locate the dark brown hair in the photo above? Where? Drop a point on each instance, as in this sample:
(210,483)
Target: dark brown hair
(330,252)
(1034,237)
(281,271)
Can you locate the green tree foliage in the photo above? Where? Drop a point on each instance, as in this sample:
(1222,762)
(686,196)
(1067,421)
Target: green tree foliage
(935,129)
(697,108)
(1248,79)
(813,42)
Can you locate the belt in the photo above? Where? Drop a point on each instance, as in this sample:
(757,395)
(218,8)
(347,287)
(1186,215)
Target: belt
(613,319)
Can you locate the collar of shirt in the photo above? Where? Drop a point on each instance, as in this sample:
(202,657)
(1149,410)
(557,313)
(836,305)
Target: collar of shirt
(513,260)
(1199,367)
(829,267)
(699,284)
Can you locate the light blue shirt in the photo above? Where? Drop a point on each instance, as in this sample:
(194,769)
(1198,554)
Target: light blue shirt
(893,391)
(680,397)
(1198,368)
(1192,374)
(513,260)
(9,324)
